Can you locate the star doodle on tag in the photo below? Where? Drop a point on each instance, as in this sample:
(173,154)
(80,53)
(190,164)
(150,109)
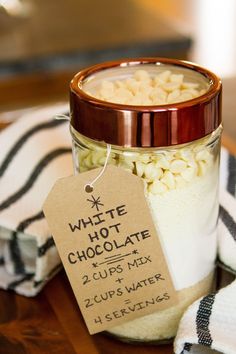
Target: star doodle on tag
(95,202)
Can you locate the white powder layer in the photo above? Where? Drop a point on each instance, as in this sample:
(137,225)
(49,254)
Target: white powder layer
(163,324)
(185,219)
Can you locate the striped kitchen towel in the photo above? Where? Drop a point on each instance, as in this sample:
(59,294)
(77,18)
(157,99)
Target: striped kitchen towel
(209,325)
(227,221)
(35,152)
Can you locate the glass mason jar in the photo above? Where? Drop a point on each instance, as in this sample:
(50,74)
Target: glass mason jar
(174,147)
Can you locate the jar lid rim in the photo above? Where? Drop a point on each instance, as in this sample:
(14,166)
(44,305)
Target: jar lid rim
(145,125)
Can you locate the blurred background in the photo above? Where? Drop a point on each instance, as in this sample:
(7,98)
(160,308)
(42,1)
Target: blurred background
(43,43)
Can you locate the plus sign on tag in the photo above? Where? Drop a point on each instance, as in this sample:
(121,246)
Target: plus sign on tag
(109,247)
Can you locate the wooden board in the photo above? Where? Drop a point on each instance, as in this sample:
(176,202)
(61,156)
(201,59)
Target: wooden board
(52,323)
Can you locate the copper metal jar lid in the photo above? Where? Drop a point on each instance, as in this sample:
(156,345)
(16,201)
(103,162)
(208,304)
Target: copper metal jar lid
(145,126)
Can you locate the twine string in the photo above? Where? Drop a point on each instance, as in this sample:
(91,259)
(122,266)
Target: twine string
(89,186)
(61,117)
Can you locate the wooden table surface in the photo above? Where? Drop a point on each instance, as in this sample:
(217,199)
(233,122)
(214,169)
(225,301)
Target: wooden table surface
(52,323)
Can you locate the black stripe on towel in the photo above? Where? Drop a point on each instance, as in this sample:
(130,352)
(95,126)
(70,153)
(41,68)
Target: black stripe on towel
(33,176)
(25,223)
(203,320)
(14,284)
(228,221)
(187,348)
(231,185)
(14,248)
(2,262)
(49,275)
(21,141)
(15,253)
(45,247)
(226,267)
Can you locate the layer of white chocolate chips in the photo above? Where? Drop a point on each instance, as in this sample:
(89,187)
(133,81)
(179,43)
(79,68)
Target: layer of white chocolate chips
(144,89)
(161,171)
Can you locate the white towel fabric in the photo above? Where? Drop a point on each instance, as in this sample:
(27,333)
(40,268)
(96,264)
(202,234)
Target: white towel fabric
(227,221)
(35,152)
(209,325)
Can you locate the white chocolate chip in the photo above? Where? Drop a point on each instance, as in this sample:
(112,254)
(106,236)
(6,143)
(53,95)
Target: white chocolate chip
(157,187)
(123,94)
(169,155)
(129,164)
(185,154)
(202,155)
(96,156)
(173,96)
(162,77)
(102,160)
(162,162)
(106,94)
(145,89)
(140,167)
(151,171)
(189,173)
(189,85)
(126,165)
(140,99)
(107,85)
(185,97)
(144,158)
(168,179)
(159,172)
(119,83)
(170,86)
(142,75)
(128,157)
(87,161)
(158,93)
(83,153)
(178,166)
(177,78)
(133,85)
(192,163)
